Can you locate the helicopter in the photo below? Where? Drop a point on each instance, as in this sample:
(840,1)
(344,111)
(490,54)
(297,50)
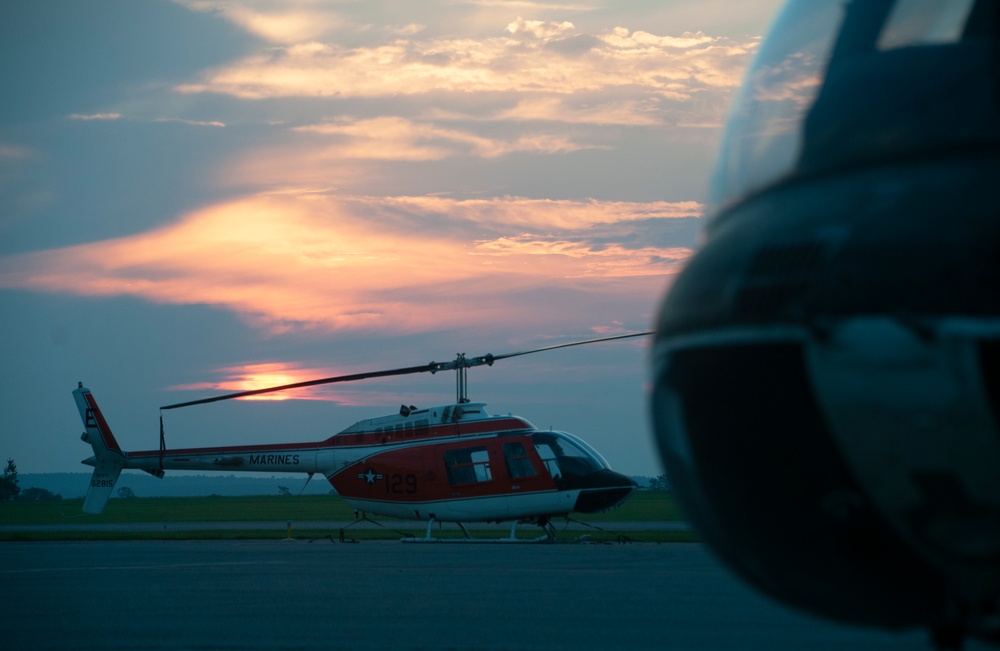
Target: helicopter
(453,463)
(826,368)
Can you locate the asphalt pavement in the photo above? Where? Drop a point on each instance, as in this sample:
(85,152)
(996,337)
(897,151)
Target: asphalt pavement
(292,594)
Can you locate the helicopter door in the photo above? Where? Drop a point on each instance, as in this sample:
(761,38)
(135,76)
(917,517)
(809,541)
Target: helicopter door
(475,493)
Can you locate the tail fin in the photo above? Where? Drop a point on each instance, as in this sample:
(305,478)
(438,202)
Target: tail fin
(108,459)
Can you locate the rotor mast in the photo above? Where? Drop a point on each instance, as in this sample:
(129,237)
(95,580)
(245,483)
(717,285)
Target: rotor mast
(461,365)
(461,380)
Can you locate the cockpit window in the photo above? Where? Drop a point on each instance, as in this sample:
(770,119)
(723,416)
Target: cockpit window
(549,458)
(565,456)
(924,22)
(840,84)
(763,136)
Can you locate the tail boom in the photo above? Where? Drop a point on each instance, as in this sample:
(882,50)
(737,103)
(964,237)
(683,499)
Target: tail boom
(109,459)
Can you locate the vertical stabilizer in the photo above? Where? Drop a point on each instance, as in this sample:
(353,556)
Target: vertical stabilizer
(108,459)
(102,482)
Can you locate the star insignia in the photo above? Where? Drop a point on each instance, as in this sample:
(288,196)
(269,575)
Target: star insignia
(370,476)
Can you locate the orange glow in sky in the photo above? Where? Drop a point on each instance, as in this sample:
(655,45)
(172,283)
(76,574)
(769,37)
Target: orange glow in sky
(312,260)
(264,375)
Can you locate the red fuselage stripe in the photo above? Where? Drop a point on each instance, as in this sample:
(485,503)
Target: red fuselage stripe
(415,435)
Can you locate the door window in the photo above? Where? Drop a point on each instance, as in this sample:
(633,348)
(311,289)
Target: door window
(468,465)
(518,463)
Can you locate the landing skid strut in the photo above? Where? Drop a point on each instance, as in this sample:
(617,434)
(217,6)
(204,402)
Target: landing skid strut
(546,526)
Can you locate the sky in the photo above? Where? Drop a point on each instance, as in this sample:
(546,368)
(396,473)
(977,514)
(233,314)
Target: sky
(214,195)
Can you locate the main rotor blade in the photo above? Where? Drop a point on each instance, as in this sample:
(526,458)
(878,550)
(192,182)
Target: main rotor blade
(460,362)
(572,343)
(426,368)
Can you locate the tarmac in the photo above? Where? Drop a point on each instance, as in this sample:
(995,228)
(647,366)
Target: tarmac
(312,525)
(292,594)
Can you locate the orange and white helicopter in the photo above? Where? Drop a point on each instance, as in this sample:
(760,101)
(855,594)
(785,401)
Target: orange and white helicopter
(452,463)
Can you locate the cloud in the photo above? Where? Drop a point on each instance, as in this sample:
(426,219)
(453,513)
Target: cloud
(118,116)
(604,262)
(530,56)
(403,93)
(397,138)
(641,41)
(250,376)
(540,29)
(405,264)
(529,4)
(632,112)
(287,22)
(16,153)
(538,214)
(261,375)
(24,192)
(95,116)
(348,152)
(192,123)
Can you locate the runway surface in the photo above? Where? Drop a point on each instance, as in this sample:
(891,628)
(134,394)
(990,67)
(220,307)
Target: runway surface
(387,595)
(334,526)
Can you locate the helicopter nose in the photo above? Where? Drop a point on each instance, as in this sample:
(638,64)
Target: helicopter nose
(602,490)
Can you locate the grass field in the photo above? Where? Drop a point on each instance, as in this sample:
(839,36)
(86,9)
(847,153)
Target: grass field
(644,506)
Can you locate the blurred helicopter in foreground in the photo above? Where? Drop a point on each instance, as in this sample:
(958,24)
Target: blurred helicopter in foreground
(827,367)
(452,463)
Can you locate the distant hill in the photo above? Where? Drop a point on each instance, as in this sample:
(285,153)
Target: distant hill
(74,484)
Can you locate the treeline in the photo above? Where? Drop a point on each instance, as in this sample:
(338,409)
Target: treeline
(10,487)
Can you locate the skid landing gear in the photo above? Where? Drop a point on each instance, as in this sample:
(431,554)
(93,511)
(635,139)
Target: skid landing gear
(549,536)
(358,517)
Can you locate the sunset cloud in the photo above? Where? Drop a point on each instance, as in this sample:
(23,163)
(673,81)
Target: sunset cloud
(262,375)
(634,112)
(397,138)
(604,262)
(540,29)
(539,214)
(118,116)
(95,116)
(529,56)
(266,374)
(193,123)
(286,22)
(317,261)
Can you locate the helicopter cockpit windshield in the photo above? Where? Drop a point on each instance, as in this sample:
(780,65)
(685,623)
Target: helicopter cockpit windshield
(831,71)
(567,457)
